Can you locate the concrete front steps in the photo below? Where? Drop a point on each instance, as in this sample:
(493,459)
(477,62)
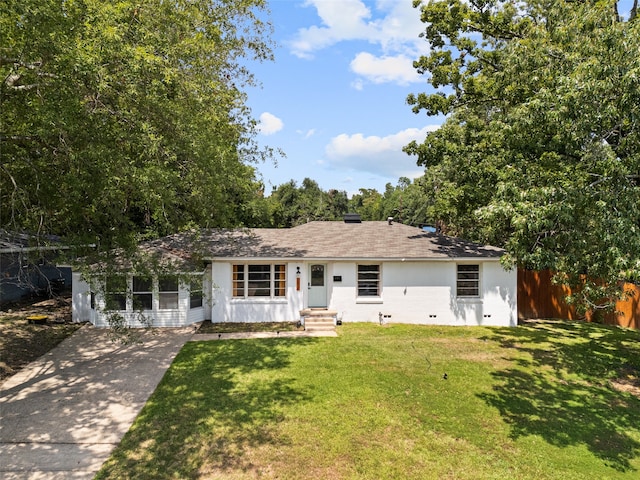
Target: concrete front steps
(319,319)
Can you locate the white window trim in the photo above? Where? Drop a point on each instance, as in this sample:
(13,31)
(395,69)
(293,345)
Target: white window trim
(145,292)
(271,298)
(159,293)
(201,290)
(470,298)
(369,298)
(127,290)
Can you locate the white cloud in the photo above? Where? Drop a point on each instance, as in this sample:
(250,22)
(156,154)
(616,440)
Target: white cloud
(398,69)
(393,32)
(378,155)
(269,124)
(306,134)
(357,84)
(343,20)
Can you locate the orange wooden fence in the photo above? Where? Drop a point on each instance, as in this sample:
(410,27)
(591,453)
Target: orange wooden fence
(538,297)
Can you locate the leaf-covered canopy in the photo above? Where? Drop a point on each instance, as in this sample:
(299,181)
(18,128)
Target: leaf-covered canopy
(123,119)
(540,151)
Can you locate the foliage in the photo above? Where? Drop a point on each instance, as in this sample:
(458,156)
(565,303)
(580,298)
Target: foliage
(540,401)
(540,152)
(291,205)
(408,203)
(126,119)
(368,204)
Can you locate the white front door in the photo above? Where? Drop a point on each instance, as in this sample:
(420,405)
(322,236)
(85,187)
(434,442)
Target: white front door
(317,285)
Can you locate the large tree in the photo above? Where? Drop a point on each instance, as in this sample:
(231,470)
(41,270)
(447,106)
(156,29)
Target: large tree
(540,151)
(126,119)
(290,205)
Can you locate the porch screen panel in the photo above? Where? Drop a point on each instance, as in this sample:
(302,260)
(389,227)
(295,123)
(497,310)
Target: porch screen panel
(238,280)
(168,288)
(195,294)
(142,293)
(116,292)
(279,281)
(259,281)
(368,280)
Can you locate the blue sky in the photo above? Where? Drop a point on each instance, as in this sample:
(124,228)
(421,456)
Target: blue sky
(334,99)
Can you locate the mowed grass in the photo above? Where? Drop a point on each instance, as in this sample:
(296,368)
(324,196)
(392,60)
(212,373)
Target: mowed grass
(546,400)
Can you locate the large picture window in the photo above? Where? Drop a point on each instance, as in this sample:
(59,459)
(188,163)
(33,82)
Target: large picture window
(259,280)
(468,281)
(368,280)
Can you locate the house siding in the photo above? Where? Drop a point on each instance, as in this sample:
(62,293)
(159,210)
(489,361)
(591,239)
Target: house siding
(417,277)
(175,317)
(425,293)
(414,292)
(226,308)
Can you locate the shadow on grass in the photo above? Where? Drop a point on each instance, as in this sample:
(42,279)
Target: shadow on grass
(218,403)
(561,387)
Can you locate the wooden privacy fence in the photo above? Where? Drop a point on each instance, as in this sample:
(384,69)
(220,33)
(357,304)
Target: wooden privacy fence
(538,297)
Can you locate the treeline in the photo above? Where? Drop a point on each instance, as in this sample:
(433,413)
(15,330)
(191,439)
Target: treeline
(291,204)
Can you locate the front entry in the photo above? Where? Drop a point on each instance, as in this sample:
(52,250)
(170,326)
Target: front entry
(317,285)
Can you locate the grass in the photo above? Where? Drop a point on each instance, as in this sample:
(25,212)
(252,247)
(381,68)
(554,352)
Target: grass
(545,400)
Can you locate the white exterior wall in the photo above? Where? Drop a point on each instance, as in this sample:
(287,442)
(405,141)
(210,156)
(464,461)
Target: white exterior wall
(425,293)
(177,317)
(81,300)
(257,309)
(412,292)
(499,294)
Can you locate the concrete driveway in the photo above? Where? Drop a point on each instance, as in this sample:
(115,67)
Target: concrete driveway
(62,415)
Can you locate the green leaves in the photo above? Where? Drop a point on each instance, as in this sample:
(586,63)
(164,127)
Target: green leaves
(125,118)
(540,150)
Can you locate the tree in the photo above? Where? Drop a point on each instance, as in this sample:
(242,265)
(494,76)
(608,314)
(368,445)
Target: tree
(367,203)
(407,203)
(540,151)
(292,205)
(127,119)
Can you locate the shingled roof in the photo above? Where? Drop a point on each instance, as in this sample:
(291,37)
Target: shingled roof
(324,240)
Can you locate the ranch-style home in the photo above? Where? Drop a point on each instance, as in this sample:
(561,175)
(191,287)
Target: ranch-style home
(356,271)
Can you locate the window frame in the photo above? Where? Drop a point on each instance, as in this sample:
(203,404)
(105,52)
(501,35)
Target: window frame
(248,279)
(138,293)
(468,270)
(196,293)
(166,295)
(360,282)
(116,295)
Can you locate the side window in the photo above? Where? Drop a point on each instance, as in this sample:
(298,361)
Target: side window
(279,280)
(468,281)
(238,281)
(368,280)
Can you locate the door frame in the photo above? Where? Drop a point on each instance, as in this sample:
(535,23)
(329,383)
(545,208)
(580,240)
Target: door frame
(322,297)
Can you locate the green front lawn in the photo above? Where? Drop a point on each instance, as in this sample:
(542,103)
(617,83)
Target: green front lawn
(547,400)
